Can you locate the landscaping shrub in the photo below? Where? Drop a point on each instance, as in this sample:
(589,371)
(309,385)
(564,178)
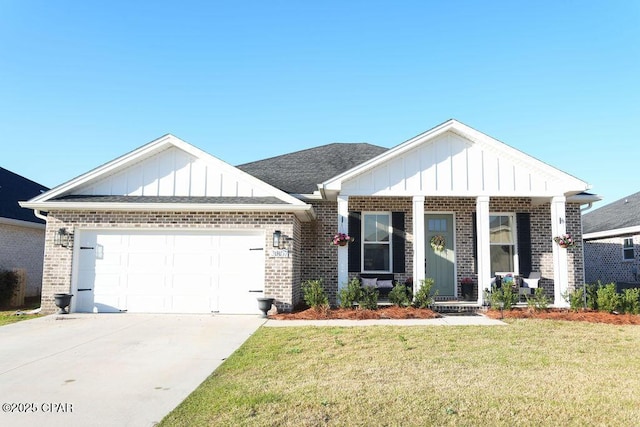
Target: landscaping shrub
(592,295)
(608,299)
(314,294)
(575,299)
(423,297)
(630,301)
(8,285)
(538,301)
(369,298)
(350,294)
(503,297)
(399,296)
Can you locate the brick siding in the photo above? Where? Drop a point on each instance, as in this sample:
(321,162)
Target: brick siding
(604,260)
(22,247)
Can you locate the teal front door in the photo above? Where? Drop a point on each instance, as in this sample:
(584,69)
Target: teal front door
(440,254)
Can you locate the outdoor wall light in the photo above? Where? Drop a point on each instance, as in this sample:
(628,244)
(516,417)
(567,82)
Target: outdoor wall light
(62,238)
(277,238)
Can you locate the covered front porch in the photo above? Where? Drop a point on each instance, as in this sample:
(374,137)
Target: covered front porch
(455,205)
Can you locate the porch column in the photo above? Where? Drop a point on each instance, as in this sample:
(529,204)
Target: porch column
(560,266)
(343,251)
(419,271)
(483,249)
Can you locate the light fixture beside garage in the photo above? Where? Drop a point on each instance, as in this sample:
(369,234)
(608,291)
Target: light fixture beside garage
(277,239)
(62,238)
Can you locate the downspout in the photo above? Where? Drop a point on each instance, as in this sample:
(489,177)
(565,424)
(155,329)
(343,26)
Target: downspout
(589,206)
(37,213)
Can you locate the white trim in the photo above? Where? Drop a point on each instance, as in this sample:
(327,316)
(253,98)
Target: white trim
(343,251)
(389,231)
(483,249)
(514,234)
(419,252)
(560,258)
(21,223)
(611,233)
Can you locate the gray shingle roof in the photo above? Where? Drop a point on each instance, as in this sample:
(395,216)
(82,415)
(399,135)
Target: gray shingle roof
(173,199)
(13,189)
(300,172)
(619,214)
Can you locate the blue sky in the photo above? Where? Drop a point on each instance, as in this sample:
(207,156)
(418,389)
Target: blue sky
(83,82)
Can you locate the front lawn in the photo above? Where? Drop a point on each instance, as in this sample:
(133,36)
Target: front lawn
(532,372)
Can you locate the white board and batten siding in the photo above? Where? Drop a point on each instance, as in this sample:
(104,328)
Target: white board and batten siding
(175,172)
(451,165)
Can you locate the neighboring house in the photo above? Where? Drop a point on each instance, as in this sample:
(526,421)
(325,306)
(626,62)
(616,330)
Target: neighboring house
(170,228)
(21,233)
(612,241)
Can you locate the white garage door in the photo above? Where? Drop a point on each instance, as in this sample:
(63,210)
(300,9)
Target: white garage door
(168,271)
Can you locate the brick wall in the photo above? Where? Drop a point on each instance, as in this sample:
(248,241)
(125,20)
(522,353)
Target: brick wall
(282,275)
(22,247)
(604,260)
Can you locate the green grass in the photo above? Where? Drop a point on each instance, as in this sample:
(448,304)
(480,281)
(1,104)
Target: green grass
(8,316)
(532,372)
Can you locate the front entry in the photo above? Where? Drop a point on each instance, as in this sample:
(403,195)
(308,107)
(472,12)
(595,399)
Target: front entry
(440,253)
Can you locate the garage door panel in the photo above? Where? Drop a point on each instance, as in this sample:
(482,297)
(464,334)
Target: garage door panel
(172,271)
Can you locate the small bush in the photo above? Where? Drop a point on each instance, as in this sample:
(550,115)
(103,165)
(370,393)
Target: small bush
(575,299)
(503,297)
(592,295)
(538,301)
(630,301)
(314,295)
(8,285)
(369,298)
(423,297)
(399,296)
(608,299)
(350,294)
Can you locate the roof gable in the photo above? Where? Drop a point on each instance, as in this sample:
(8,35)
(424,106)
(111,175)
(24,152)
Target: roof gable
(14,188)
(167,168)
(453,159)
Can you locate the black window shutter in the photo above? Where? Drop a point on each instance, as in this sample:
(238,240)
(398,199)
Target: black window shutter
(523,222)
(475,242)
(397,241)
(355,248)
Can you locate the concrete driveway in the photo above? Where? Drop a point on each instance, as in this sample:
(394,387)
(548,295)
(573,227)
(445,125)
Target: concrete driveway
(110,369)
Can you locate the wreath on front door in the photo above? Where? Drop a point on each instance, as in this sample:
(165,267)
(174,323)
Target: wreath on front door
(437,243)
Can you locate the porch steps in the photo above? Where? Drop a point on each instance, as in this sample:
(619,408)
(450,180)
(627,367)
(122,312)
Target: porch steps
(458,307)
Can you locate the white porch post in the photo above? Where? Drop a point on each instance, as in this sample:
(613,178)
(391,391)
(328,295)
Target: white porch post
(560,266)
(484,254)
(343,251)
(418,242)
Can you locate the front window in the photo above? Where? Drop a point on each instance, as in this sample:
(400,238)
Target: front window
(376,244)
(502,238)
(627,250)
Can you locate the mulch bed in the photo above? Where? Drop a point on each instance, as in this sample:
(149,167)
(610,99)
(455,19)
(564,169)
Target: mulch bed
(393,312)
(563,314)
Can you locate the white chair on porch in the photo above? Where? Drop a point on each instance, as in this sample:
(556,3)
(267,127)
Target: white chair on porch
(530,283)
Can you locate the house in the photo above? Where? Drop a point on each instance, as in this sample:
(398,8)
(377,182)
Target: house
(21,233)
(170,228)
(611,239)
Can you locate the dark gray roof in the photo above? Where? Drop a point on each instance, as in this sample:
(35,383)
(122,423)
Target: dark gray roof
(173,199)
(13,189)
(300,172)
(619,214)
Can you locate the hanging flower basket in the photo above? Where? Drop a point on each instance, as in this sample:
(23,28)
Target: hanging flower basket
(341,239)
(565,241)
(437,243)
